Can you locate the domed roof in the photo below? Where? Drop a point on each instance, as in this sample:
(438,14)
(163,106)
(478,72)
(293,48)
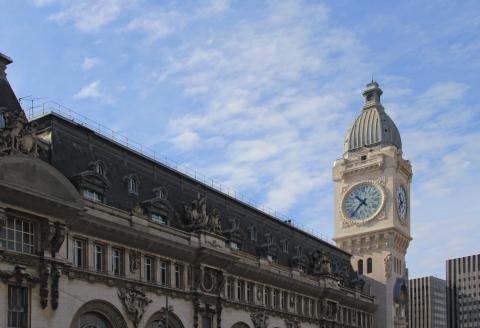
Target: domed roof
(373,127)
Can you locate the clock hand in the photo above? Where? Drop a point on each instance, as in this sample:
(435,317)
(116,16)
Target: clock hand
(362,201)
(358,207)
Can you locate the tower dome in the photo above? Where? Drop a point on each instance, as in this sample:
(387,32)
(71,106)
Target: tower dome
(373,127)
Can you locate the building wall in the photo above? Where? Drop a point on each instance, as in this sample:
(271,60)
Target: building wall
(463,291)
(427,303)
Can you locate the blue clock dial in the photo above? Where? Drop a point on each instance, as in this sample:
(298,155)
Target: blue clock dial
(362,202)
(401,202)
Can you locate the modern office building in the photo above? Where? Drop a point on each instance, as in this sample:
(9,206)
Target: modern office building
(95,233)
(372,207)
(427,303)
(463,292)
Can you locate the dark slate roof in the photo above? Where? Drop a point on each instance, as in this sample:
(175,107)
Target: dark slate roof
(74,148)
(8,99)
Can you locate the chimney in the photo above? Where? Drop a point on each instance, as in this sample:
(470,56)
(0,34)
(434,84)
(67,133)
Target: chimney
(4,61)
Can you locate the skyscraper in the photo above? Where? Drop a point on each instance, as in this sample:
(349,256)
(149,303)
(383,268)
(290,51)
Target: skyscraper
(427,304)
(463,291)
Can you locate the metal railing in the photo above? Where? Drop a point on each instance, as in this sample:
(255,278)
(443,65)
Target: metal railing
(35,112)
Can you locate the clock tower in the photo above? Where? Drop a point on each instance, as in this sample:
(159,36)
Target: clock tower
(372,207)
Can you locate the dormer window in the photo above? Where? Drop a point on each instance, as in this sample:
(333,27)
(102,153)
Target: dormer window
(132,185)
(92,195)
(158,218)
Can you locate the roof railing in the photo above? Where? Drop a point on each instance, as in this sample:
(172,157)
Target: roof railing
(35,112)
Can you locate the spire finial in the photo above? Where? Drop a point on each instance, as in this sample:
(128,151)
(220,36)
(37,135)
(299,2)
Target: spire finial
(372,77)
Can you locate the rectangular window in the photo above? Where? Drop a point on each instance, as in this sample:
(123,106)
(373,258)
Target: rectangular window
(78,253)
(99,257)
(284,300)
(17,235)
(164,273)
(178,276)
(155,217)
(92,195)
(206,322)
(249,292)
(266,296)
(117,261)
(17,307)
(299,304)
(229,288)
(241,290)
(148,268)
(275,299)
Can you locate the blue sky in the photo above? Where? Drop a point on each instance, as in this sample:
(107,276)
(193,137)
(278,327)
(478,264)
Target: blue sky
(259,95)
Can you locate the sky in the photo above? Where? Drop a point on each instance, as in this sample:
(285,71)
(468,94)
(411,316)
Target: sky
(259,94)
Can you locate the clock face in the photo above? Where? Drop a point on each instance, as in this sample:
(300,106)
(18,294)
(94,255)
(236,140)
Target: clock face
(401,202)
(362,202)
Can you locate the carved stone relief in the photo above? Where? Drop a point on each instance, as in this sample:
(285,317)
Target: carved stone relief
(388,265)
(44,273)
(259,319)
(18,136)
(292,323)
(135,258)
(135,302)
(55,273)
(197,218)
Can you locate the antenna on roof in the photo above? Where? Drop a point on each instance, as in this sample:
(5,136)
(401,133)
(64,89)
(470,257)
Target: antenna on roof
(372,77)
(32,101)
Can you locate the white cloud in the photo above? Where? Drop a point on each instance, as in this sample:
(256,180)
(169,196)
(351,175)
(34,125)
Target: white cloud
(90,62)
(157,25)
(213,7)
(91,15)
(89,91)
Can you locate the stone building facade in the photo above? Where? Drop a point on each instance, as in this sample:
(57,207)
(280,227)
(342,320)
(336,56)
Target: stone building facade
(372,207)
(94,234)
(427,303)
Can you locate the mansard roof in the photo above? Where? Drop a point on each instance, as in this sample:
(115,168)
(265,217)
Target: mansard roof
(74,147)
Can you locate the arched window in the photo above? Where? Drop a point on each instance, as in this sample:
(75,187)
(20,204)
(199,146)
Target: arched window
(133,185)
(98,314)
(369,265)
(360,267)
(100,168)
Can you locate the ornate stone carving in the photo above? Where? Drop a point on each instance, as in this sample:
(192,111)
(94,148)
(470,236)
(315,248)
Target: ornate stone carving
(44,273)
(55,286)
(18,136)
(292,323)
(259,319)
(328,310)
(135,301)
(53,235)
(218,309)
(197,218)
(321,262)
(135,257)
(388,265)
(18,276)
